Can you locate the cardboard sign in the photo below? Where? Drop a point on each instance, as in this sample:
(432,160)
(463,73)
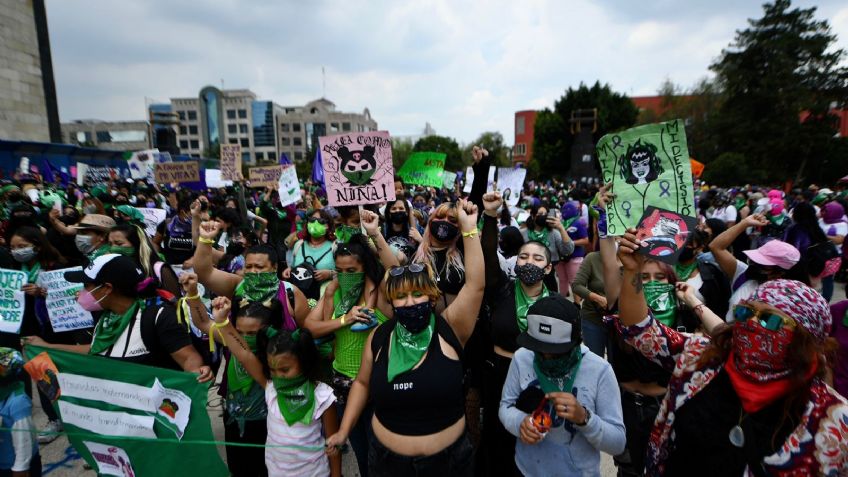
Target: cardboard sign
(266,176)
(11,300)
(510,183)
(665,232)
(423,168)
(288,186)
(358,168)
(170,172)
(647,166)
(62,308)
(152,219)
(231,162)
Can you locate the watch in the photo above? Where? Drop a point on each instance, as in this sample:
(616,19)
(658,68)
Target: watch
(588,416)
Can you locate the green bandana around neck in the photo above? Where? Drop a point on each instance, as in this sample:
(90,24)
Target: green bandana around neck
(348,292)
(567,222)
(259,287)
(125,251)
(558,374)
(777,219)
(295,398)
(345,232)
(662,301)
(31,273)
(522,304)
(102,250)
(539,236)
(111,325)
(406,349)
(685,271)
(238,379)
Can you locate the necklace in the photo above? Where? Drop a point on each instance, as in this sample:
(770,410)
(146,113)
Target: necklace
(737,435)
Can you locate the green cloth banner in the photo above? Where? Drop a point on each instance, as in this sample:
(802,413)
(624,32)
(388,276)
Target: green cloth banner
(115,411)
(423,168)
(647,165)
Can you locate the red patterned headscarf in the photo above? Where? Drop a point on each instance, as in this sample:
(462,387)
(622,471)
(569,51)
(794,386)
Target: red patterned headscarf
(800,302)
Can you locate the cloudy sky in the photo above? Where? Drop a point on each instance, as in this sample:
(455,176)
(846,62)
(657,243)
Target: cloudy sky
(463,66)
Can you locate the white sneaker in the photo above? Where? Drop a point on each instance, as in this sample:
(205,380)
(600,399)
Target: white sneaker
(48,434)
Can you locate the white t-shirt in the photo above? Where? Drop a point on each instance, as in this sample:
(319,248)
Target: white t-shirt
(742,292)
(833,230)
(725,214)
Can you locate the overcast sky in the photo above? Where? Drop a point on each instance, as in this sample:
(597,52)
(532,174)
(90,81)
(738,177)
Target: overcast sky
(463,66)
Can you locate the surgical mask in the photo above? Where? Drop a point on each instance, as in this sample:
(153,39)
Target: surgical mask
(529,274)
(24,255)
(87,301)
(443,230)
(84,243)
(414,318)
(316,229)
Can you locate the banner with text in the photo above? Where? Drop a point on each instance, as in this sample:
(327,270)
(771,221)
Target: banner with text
(231,162)
(266,176)
(141,164)
(647,166)
(11,300)
(140,419)
(170,172)
(423,168)
(358,168)
(62,308)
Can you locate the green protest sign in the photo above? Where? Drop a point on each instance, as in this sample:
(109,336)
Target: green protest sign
(648,166)
(127,419)
(423,168)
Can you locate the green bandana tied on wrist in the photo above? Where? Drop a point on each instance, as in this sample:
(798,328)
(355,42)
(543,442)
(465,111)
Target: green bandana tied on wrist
(541,236)
(296,399)
(685,271)
(259,287)
(111,325)
(348,292)
(238,379)
(406,349)
(662,301)
(522,304)
(558,374)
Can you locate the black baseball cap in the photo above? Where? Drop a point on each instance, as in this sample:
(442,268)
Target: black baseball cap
(553,326)
(122,272)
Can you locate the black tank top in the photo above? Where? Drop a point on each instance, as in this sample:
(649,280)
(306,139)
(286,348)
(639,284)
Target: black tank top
(424,400)
(504,320)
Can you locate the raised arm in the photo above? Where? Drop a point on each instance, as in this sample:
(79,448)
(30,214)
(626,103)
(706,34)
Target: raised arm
(489,238)
(221,283)
(199,315)
(632,305)
(233,340)
(371,222)
(57,224)
(609,262)
(462,313)
(195,217)
(711,321)
(482,161)
(720,245)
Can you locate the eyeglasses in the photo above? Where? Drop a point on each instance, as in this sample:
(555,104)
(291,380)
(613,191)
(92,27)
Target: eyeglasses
(412,267)
(768,320)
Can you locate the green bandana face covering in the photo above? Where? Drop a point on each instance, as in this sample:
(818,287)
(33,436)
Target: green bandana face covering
(125,251)
(316,229)
(238,379)
(408,348)
(662,301)
(345,232)
(110,326)
(558,374)
(296,398)
(349,291)
(260,287)
(522,304)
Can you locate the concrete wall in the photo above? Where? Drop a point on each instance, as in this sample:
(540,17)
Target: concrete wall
(23,108)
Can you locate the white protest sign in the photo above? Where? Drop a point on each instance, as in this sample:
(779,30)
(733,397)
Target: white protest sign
(111,460)
(141,164)
(62,308)
(469,179)
(82,170)
(152,219)
(11,300)
(288,187)
(214,180)
(510,183)
(448,179)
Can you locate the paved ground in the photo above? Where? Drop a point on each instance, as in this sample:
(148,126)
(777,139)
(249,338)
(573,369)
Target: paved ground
(60,460)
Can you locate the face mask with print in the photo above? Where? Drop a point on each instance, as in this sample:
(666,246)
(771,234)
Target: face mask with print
(316,229)
(24,255)
(345,232)
(443,230)
(529,274)
(414,318)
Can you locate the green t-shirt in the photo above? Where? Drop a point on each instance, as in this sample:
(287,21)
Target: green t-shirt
(349,347)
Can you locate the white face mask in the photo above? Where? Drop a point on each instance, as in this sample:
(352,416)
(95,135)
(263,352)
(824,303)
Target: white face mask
(24,255)
(84,243)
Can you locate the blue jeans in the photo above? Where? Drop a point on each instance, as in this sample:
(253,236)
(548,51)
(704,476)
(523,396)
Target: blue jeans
(595,337)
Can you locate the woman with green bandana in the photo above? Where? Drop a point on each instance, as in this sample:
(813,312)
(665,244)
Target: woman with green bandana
(312,256)
(547,229)
(300,408)
(412,373)
(130,241)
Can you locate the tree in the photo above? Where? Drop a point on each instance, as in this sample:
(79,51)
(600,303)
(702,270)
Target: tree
(781,78)
(552,142)
(446,145)
(401,149)
(492,142)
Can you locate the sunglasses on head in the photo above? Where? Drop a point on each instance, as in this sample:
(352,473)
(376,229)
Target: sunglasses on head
(412,267)
(768,320)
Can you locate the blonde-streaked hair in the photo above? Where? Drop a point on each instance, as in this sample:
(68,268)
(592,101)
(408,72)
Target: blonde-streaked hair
(424,254)
(423,281)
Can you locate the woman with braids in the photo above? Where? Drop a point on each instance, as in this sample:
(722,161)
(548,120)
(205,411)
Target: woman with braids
(752,396)
(131,241)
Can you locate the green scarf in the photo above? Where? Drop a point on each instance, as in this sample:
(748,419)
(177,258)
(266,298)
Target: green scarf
(662,301)
(541,236)
(345,232)
(522,304)
(296,399)
(258,287)
(238,379)
(111,325)
(567,222)
(31,273)
(406,349)
(740,202)
(348,292)
(777,219)
(103,250)
(558,374)
(125,251)
(685,271)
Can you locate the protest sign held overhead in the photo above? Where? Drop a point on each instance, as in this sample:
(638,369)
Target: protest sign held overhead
(231,162)
(176,172)
(648,166)
(287,186)
(510,183)
(11,300)
(448,180)
(62,308)
(358,168)
(469,179)
(266,176)
(141,164)
(152,219)
(423,168)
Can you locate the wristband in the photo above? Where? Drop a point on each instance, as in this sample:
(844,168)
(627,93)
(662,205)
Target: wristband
(206,241)
(342,319)
(471,233)
(588,416)
(217,327)
(196,296)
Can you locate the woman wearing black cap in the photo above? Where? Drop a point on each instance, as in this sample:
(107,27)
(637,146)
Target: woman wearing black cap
(131,327)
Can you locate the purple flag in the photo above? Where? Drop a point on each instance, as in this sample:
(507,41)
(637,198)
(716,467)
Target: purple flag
(318,169)
(284,159)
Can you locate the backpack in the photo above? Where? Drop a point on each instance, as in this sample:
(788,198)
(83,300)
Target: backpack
(303,274)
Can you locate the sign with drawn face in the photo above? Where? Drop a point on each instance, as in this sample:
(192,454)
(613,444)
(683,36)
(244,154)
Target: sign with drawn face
(665,232)
(358,168)
(647,166)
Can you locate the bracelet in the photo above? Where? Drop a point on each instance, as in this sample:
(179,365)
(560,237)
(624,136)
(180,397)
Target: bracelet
(206,241)
(196,296)
(342,319)
(217,326)
(471,233)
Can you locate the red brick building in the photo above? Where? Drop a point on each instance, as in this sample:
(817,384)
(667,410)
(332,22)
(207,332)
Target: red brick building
(522,151)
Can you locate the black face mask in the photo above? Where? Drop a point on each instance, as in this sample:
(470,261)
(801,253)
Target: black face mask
(414,318)
(541,220)
(398,217)
(687,254)
(69,219)
(235,248)
(756,273)
(529,274)
(444,230)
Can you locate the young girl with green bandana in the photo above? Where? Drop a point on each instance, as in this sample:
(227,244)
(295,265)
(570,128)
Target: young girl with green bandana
(299,406)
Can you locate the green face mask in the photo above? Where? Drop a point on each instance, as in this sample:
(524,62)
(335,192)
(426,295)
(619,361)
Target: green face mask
(316,229)
(260,286)
(345,232)
(125,251)
(559,373)
(661,300)
(250,340)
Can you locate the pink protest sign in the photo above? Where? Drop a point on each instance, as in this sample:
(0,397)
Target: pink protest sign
(358,168)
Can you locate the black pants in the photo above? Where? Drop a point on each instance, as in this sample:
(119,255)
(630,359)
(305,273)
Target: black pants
(456,460)
(34,468)
(246,461)
(639,413)
(498,445)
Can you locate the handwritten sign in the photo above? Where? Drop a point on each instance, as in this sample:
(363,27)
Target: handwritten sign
(288,186)
(358,168)
(152,219)
(423,168)
(510,183)
(648,166)
(469,179)
(11,300)
(62,308)
(231,162)
(266,176)
(169,172)
(141,164)
(448,179)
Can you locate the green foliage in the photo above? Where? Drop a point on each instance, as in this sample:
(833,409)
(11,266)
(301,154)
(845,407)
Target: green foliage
(303,169)
(492,142)
(445,145)
(731,168)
